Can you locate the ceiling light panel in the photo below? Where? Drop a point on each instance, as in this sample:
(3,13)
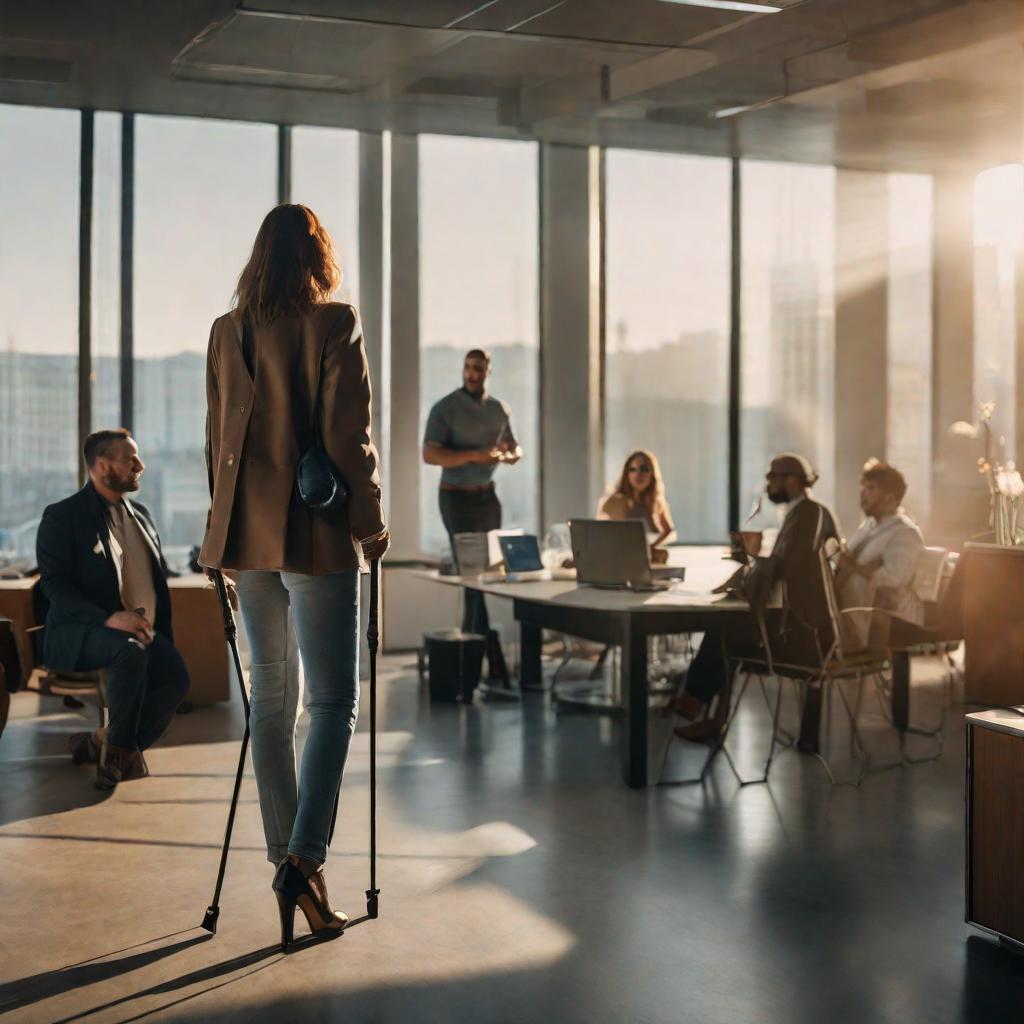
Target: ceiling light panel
(729,5)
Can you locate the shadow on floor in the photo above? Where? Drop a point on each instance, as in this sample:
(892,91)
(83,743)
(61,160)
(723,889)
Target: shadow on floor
(44,791)
(992,993)
(196,977)
(23,992)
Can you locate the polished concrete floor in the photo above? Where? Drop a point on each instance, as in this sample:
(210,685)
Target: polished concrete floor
(520,881)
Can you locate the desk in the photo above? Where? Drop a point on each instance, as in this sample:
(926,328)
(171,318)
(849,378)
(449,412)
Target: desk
(618,617)
(995,822)
(199,636)
(198,631)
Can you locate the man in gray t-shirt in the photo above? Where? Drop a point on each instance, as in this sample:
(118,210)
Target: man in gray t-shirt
(469,432)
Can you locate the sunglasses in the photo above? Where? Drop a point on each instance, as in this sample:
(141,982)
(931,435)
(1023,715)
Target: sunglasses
(640,469)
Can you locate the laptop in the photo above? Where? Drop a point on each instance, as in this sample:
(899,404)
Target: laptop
(613,553)
(523,564)
(521,554)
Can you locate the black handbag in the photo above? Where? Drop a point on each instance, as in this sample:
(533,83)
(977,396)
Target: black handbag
(321,487)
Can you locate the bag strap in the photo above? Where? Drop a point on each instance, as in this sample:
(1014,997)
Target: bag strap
(317,426)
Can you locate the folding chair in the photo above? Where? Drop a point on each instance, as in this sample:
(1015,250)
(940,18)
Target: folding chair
(937,583)
(828,671)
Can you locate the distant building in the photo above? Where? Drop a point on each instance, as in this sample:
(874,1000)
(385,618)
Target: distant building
(39,440)
(672,399)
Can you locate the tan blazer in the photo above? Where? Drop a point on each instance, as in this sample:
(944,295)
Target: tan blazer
(256,429)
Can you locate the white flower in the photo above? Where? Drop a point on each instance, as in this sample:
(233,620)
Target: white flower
(1009,483)
(963,429)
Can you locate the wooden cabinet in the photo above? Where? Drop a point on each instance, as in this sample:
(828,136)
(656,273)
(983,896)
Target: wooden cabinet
(995,822)
(994,624)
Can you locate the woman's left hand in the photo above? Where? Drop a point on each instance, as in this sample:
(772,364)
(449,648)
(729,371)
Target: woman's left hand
(375,547)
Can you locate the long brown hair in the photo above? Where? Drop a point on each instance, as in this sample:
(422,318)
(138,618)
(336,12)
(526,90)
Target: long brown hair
(292,267)
(654,496)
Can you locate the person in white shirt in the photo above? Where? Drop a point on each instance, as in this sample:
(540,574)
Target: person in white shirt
(878,566)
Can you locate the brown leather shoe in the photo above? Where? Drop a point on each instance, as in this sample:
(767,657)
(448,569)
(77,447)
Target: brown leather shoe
(119,764)
(84,748)
(134,766)
(687,706)
(699,732)
(109,767)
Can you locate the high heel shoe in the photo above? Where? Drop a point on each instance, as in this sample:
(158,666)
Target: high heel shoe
(688,706)
(293,888)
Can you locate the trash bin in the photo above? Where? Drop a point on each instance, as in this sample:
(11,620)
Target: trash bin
(454,660)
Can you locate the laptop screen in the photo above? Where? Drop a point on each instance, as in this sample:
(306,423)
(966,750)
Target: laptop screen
(521,554)
(610,552)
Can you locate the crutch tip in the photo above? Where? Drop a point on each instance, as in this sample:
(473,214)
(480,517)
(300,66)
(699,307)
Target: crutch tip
(210,920)
(371,903)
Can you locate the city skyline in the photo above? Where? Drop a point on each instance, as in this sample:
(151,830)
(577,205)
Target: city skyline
(667,289)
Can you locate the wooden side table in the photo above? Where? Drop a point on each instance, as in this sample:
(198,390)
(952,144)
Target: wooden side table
(995,823)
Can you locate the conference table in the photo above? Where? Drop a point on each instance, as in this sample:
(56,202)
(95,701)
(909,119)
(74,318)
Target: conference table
(618,617)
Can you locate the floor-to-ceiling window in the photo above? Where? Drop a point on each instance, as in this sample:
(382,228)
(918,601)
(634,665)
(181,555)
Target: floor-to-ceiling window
(325,177)
(788,320)
(478,289)
(39,182)
(998,220)
(667,328)
(202,187)
(106,272)
(909,376)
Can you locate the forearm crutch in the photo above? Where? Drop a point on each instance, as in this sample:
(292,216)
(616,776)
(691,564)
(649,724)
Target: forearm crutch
(371,639)
(372,636)
(231,634)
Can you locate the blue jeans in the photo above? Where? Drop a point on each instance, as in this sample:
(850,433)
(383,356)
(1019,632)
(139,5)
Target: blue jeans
(321,613)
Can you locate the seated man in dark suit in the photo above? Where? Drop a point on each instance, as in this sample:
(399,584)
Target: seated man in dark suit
(803,634)
(104,575)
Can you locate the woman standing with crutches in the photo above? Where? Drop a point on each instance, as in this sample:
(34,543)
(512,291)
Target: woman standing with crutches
(296,512)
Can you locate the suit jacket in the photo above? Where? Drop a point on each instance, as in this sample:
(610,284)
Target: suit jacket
(259,424)
(78,575)
(805,628)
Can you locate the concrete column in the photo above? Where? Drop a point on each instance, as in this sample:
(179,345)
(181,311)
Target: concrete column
(1016,441)
(570,302)
(404,412)
(959,502)
(371,279)
(862,278)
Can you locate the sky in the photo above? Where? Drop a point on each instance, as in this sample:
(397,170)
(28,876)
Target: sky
(202,188)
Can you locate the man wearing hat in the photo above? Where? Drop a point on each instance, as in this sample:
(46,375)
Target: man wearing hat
(805,629)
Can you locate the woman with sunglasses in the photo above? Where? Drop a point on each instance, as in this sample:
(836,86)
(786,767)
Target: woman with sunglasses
(640,494)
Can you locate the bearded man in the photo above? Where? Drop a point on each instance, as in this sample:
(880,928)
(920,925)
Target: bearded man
(103,573)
